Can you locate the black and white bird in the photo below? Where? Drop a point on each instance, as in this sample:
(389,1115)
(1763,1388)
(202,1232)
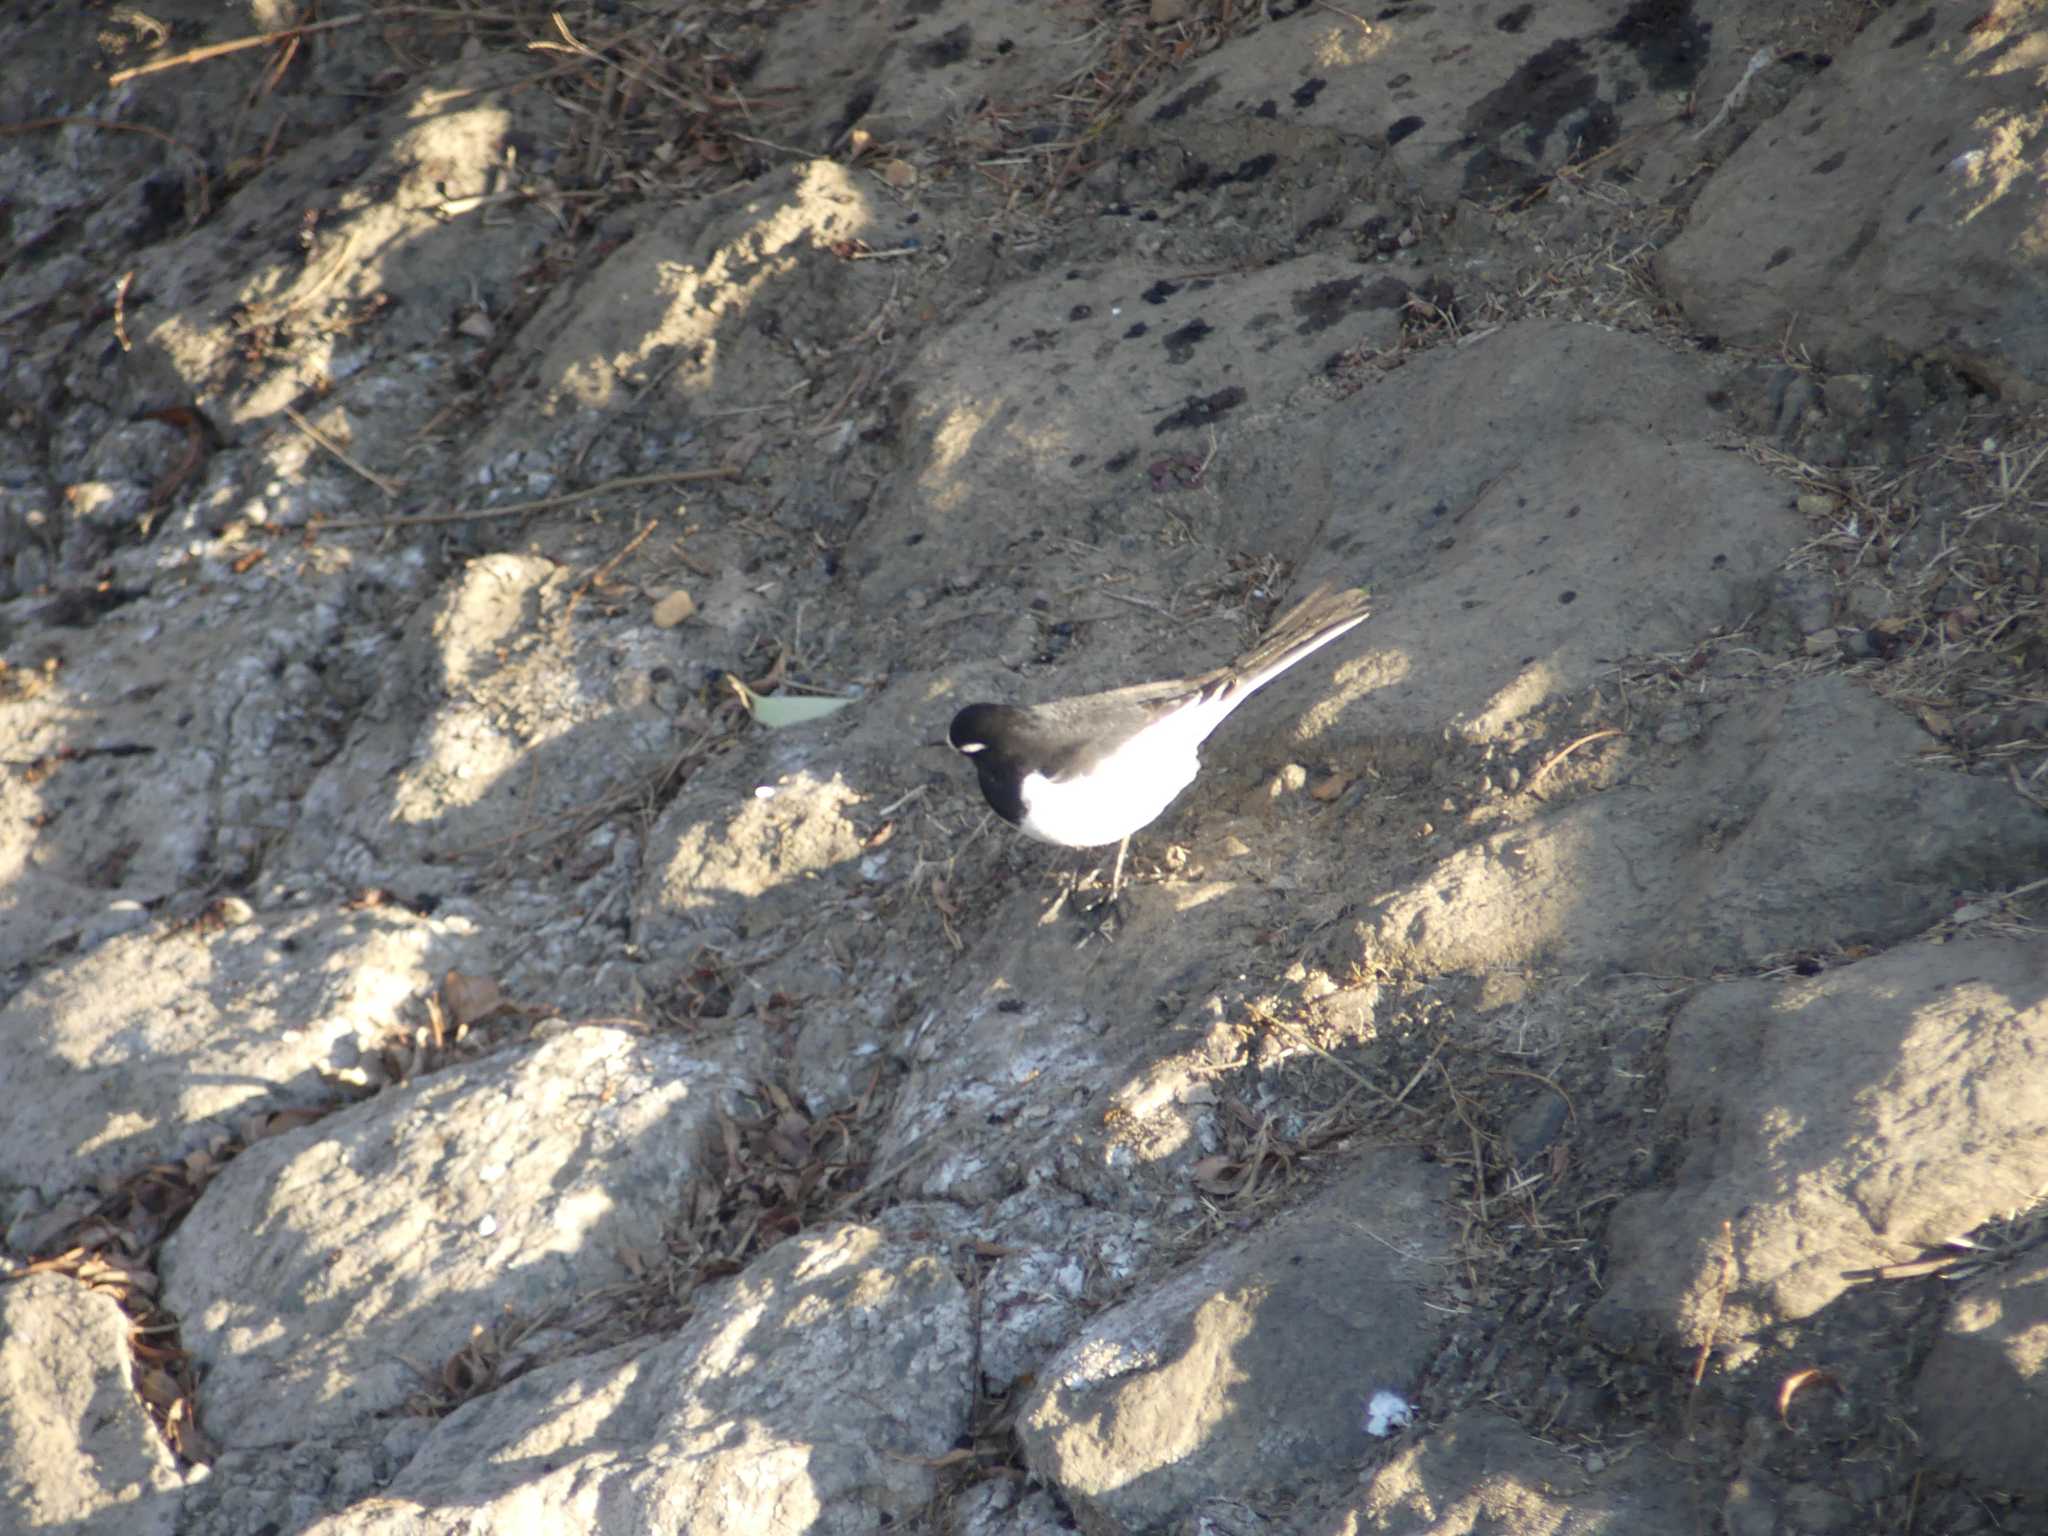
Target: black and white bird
(1087,771)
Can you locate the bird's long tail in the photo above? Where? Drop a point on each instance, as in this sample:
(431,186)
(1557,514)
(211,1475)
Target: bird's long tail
(1308,626)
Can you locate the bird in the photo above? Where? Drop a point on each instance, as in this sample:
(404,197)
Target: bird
(1091,769)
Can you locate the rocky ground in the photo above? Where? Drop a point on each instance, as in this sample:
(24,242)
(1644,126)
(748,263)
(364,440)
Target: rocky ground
(461,1070)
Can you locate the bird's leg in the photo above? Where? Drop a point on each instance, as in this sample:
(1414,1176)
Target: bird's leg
(1117,871)
(1102,917)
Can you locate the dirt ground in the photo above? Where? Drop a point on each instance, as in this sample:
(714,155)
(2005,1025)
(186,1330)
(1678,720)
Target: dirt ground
(1602,1000)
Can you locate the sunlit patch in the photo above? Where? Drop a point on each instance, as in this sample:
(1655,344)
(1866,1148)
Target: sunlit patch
(703,299)
(1349,45)
(952,442)
(1533,687)
(1368,672)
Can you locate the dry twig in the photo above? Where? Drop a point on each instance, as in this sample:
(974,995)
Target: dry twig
(258,40)
(390,488)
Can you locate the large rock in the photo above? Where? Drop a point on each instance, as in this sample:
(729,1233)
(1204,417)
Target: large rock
(731,297)
(161,751)
(1483,1472)
(1089,404)
(817,1395)
(1835,1124)
(1526,509)
(77,1451)
(1251,1369)
(1752,840)
(1895,206)
(325,1268)
(158,1041)
(430,776)
(355,201)
(1471,99)
(1983,1393)
(905,76)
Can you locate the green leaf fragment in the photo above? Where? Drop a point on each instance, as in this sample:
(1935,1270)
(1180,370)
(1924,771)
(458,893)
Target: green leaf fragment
(785,709)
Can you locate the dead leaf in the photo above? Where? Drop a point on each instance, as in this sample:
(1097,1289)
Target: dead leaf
(949,1459)
(899,174)
(672,608)
(1936,724)
(791,1139)
(200,437)
(1329,789)
(742,452)
(703,1202)
(157,1388)
(262,1127)
(1790,1387)
(185,1435)
(471,999)
(437,1023)
(120,1278)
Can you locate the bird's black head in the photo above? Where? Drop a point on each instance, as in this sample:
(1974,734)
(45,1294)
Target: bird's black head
(977,728)
(986,734)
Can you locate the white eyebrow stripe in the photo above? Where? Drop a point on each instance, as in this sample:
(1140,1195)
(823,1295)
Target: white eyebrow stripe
(973,746)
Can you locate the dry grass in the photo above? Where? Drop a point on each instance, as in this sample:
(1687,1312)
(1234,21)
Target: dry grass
(1601,278)
(658,107)
(1032,151)
(1604,280)
(1953,547)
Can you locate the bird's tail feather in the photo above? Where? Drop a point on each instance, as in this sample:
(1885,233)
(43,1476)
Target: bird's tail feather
(1308,626)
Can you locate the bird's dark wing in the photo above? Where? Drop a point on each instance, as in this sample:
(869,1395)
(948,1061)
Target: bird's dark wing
(1071,737)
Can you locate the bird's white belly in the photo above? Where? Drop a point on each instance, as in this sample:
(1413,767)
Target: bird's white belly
(1126,791)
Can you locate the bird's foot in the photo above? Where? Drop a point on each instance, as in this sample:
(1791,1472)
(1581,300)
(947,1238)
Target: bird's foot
(1099,920)
(1106,914)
